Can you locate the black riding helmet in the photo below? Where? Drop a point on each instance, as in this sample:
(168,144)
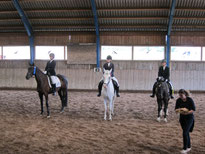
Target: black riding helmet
(163,61)
(52,55)
(109,57)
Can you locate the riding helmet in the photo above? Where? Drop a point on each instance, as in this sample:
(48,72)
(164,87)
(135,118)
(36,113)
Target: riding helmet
(52,55)
(109,57)
(163,61)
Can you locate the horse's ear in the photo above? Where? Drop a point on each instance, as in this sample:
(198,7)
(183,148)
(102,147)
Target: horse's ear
(30,64)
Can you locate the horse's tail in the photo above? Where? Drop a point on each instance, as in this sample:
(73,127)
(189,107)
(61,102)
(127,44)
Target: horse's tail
(65,89)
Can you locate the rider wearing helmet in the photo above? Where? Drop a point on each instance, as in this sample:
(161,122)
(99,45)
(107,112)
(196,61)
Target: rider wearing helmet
(50,71)
(163,72)
(108,66)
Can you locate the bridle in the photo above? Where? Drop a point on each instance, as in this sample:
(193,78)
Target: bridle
(34,70)
(107,82)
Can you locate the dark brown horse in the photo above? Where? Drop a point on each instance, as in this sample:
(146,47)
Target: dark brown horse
(43,87)
(162,93)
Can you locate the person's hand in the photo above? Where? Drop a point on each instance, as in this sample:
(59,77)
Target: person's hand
(45,72)
(183,111)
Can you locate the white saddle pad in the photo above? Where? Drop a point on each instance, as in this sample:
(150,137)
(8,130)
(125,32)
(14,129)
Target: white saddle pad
(55,80)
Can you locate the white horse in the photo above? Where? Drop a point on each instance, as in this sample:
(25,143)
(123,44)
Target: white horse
(108,93)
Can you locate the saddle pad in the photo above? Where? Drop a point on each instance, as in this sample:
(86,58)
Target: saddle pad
(55,80)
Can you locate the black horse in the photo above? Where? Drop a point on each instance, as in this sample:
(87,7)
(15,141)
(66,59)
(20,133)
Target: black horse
(162,93)
(43,87)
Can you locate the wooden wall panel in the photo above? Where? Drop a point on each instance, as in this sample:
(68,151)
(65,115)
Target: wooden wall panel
(188,38)
(131,75)
(132,38)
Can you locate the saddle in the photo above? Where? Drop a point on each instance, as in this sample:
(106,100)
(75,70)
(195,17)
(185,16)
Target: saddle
(55,80)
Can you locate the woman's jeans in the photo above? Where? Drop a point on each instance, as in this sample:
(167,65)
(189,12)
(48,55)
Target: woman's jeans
(186,125)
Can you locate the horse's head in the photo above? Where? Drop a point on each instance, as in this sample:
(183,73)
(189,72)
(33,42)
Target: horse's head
(31,72)
(160,79)
(107,76)
(159,87)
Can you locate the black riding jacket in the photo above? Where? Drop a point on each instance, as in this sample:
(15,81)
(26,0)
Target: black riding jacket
(164,73)
(50,68)
(106,67)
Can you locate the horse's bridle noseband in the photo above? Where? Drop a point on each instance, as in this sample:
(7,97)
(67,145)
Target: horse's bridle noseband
(108,81)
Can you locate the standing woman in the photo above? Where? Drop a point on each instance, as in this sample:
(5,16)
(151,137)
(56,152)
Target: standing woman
(185,106)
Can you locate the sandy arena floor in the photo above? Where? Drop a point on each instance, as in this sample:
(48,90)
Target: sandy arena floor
(81,128)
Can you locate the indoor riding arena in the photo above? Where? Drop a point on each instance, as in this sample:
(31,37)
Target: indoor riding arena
(123,47)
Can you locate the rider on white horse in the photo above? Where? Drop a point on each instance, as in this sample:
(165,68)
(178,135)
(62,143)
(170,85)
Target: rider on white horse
(109,66)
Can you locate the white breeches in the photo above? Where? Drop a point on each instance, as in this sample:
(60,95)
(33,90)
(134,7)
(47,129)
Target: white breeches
(115,79)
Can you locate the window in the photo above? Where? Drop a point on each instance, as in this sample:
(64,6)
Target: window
(117,52)
(42,52)
(1,56)
(186,53)
(203,53)
(16,52)
(148,52)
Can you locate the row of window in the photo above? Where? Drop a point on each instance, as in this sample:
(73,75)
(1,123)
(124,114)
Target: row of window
(180,53)
(42,52)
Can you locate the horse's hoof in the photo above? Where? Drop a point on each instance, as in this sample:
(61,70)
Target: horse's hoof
(61,111)
(165,120)
(48,117)
(158,119)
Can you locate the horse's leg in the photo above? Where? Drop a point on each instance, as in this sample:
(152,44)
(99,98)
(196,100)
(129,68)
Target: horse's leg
(110,110)
(165,109)
(62,104)
(105,114)
(159,102)
(41,99)
(47,106)
(113,102)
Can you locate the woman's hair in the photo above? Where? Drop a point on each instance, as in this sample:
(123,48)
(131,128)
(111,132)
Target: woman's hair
(185,92)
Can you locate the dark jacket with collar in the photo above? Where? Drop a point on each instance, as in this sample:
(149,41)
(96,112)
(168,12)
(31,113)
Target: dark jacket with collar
(164,73)
(106,67)
(50,68)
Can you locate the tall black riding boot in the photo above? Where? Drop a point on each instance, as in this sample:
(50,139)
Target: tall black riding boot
(100,88)
(170,90)
(117,91)
(116,87)
(153,90)
(54,89)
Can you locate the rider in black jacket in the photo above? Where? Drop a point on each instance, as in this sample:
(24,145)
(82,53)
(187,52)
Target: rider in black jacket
(108,66)
(50,70)
(163,72)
